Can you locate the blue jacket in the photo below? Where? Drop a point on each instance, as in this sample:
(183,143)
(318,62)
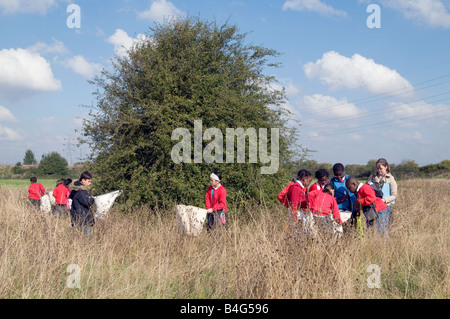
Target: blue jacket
(340,190)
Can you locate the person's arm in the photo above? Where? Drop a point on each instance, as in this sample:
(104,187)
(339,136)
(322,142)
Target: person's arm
(336,213)
(208,199)
(84,199)
(41,190)
(294,198)
(221,200)
(367,196)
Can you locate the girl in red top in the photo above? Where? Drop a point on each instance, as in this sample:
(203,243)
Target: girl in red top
(216,202)
(323,177)
(323,203)
(61,193)
(35,192)
(298,193)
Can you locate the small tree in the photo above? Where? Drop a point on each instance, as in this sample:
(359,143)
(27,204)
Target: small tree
(29,158)
(18,169)
(53,164)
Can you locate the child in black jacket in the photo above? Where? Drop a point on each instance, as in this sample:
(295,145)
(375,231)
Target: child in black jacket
(81,214)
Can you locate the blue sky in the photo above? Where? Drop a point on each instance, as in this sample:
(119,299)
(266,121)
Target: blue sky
(360,93)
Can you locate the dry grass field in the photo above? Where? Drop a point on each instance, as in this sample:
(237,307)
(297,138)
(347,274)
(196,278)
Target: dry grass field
(141,255)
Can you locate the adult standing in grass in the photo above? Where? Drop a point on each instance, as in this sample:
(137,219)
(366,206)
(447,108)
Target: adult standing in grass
(386,182)
(35,192)
(81,214)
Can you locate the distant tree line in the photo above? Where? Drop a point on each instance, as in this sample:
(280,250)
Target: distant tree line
(51,165)
(407,169)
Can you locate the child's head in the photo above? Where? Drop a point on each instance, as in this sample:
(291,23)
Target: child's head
(59,182)
(383,167)
(305,177)
(33,180)
(329,189)
(352,184)
(67,182)
(86,178)
(323,176)
(215,179)
(339,170)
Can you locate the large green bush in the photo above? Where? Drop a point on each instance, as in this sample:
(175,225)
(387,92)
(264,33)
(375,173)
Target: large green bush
(186,70)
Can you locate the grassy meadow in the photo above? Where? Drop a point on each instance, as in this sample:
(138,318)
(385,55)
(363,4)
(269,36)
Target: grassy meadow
(24,183)
(141,255)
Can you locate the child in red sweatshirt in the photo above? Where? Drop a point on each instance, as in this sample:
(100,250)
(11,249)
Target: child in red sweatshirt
(61,193)
(365,198)
(216,202)
(323,203)
(35,192)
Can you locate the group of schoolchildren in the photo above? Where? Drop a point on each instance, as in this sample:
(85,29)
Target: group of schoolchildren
(325,202)
(318,204)
(81,215)
(329,200)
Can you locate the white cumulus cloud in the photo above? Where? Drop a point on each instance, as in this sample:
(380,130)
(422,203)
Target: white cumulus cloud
(329,107)
(429,12)
(160,10)
(7,134)
(6,115)
(57,47)
(418,113)
(79,64)
(312,5)
(26,6)
(340,72)
(23,73)
(123,42)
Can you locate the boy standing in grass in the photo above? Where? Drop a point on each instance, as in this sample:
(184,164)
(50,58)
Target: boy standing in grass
(35,192)
(374,208)
(81,214)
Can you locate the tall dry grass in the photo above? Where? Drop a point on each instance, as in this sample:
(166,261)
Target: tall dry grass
(142,256)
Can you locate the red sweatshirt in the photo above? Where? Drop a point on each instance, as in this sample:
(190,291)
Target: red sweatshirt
(366,196)
(298,195)
(219,200)
(323,204)
(36,191)
(61,193)
(315,187)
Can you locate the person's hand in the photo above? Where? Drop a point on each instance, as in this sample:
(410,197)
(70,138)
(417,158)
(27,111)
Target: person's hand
(209,211)
(357,206)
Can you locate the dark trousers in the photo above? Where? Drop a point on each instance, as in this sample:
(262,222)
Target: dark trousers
(35,202)
(215,220)
(60,211)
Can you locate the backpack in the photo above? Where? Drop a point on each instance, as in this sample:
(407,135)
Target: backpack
(283,196)
(377,188)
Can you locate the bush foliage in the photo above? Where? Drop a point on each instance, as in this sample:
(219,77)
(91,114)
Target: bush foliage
(185,70)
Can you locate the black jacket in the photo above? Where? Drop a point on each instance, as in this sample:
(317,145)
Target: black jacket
(80,211)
